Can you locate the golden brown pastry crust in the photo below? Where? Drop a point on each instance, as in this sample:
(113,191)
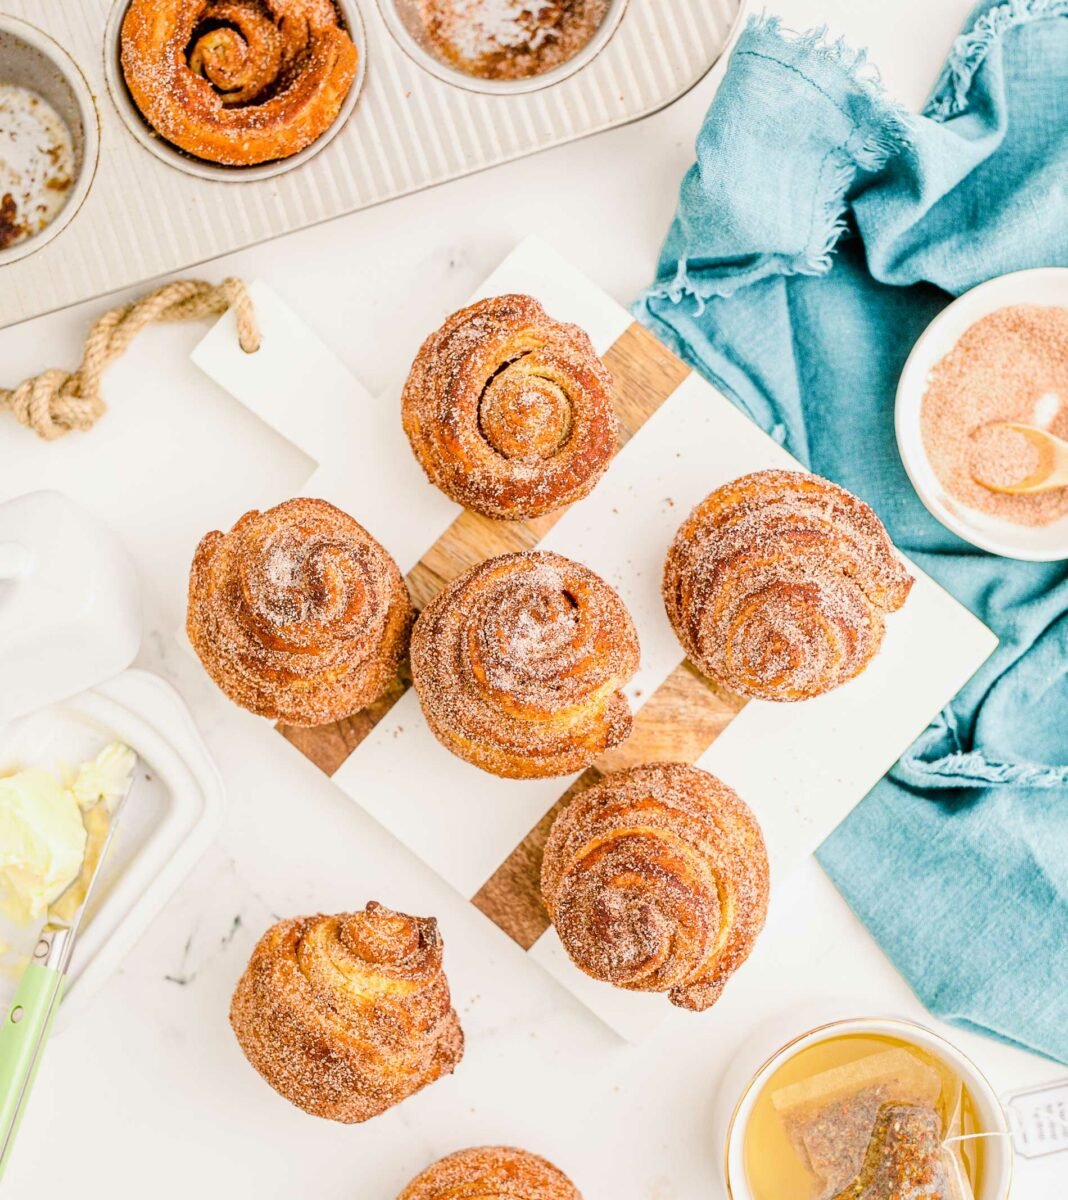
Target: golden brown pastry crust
(508,411)
(491,1173)
(237,82)
(657,880)
(777,585)
(347,1016)
(297,613)
(519,664)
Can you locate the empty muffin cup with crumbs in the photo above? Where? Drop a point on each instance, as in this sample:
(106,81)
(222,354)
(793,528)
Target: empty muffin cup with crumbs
(502,47)
(51,137)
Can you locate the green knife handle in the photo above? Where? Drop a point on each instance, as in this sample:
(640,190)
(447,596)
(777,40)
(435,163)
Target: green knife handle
(22,1040)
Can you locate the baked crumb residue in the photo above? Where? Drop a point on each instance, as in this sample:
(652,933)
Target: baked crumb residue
(510,39)
(37,164)
(11,228)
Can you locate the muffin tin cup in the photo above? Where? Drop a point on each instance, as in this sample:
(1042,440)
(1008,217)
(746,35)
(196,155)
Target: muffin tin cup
(174,156)
(402,20)
(30,58)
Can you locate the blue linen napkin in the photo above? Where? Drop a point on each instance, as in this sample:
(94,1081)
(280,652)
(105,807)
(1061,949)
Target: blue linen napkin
(820,230)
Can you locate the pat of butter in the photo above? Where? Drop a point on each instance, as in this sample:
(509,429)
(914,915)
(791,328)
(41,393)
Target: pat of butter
(42,842)
(43,836)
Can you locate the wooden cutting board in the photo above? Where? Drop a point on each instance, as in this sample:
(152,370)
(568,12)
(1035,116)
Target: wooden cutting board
(800,767)
(678,723)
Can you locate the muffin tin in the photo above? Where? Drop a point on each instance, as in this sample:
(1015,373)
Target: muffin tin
(407,130)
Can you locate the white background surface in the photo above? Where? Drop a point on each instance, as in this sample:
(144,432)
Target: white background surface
(150,1094)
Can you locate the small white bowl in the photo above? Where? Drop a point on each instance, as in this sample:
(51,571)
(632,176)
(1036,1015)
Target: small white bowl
(201,167)
(759,1061)
(1036,543)
(402,20)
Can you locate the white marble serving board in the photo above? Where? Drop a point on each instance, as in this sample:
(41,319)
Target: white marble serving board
(801,767)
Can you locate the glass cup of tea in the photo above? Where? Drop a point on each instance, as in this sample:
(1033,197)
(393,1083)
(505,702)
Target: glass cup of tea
(872,1107)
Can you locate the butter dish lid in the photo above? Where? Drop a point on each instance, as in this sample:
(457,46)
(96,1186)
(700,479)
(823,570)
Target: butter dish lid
(70,611)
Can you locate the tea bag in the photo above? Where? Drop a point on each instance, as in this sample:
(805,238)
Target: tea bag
(907,1159)
(872,1130)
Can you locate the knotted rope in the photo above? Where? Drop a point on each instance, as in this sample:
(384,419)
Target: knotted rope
(56,401)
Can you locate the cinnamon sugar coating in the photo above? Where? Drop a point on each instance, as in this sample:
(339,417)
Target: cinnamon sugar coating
(510,39)
(297,613)
(491,1173)
(777,585)
(656,880)
(508,411)
(519,664)
(347,1016)
(237,82)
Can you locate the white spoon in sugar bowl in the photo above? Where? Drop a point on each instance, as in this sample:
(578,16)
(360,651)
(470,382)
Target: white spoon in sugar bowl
(1042,286)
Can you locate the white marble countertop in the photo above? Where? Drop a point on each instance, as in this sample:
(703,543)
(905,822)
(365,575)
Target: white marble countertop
(149,1094)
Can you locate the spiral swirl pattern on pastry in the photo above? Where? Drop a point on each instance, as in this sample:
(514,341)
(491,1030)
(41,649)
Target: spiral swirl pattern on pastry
(347,1016)
(508,411)
(777,585)
(519,663)
(491,1173)
(656,880)
(297,613)
(237,82)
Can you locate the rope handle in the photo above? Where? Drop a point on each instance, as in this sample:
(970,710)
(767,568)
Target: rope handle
(57,401)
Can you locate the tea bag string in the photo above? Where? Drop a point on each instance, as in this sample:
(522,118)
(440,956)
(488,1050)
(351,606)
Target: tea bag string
(1047,1115)
(57,401)
(974,1137)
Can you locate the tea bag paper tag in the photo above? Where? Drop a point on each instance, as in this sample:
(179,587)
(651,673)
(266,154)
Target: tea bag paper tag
(1039,1120)
(301,388)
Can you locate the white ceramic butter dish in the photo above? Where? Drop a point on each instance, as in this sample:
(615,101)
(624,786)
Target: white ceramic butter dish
(172,815)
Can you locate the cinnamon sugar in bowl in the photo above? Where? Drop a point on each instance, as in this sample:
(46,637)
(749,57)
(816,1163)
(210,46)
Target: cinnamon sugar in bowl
(997,353)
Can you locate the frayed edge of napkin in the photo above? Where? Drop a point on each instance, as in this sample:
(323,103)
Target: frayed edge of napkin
(955,767)
(970,50)
(881,135)
(870,146)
